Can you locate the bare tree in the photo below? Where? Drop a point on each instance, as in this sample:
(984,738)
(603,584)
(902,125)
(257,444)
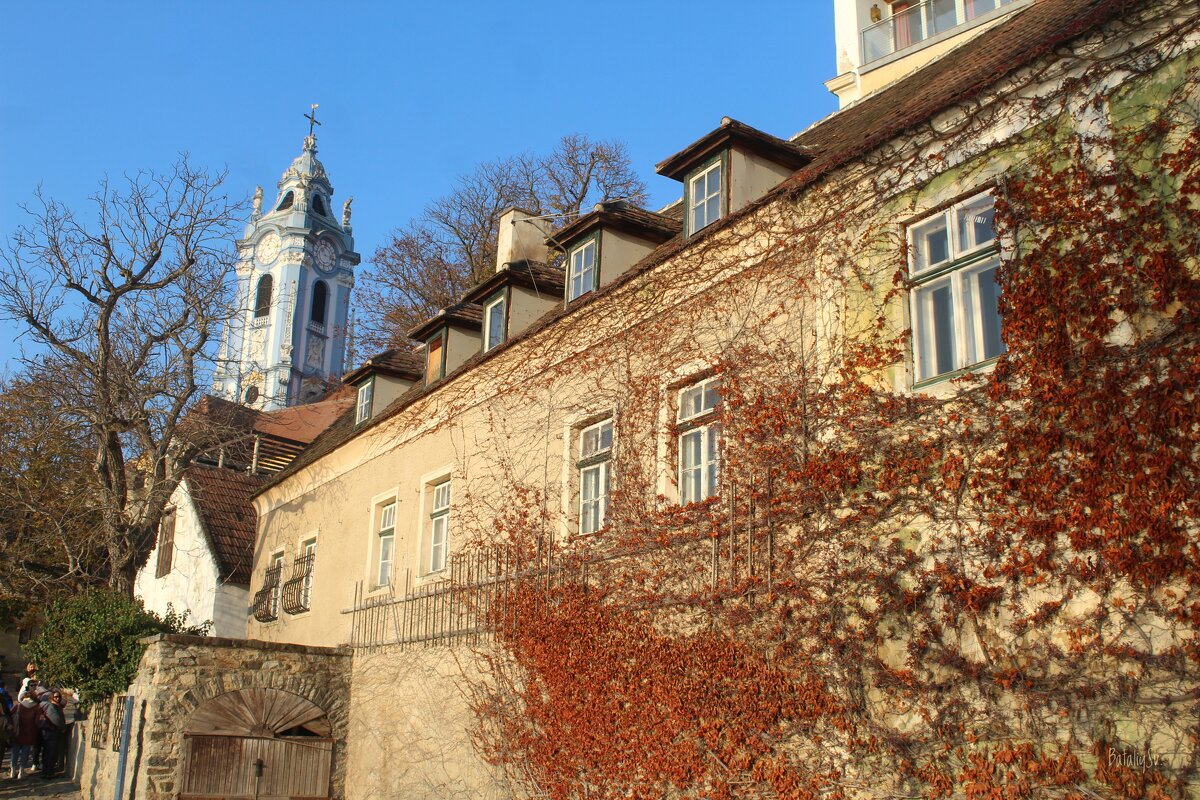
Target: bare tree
(123,312)
(430,261)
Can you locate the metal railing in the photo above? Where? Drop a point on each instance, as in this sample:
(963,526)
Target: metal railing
(297,592)
(919,23)
(266,599)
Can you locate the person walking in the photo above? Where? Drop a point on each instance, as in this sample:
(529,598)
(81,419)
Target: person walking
(7,729)
(52,723)
(26,716)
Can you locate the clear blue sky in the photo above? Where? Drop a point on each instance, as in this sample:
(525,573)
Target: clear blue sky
(411,95)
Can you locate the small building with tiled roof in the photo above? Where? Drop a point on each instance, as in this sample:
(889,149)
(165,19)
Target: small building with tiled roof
(201,562)
(202,559)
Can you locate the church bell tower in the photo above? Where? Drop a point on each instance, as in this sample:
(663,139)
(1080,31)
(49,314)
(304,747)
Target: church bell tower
(295,272)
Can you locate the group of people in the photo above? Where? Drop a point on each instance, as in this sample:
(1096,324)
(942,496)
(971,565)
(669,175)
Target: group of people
(36,726)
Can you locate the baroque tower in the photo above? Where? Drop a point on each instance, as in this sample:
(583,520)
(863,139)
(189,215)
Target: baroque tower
(295,272)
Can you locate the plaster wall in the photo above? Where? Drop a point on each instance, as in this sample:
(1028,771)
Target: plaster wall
(618,252)
(527,307)
(420,748)
(460,345)
(751,177)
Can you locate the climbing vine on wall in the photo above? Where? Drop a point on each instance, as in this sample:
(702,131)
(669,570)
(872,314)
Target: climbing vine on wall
(987,590)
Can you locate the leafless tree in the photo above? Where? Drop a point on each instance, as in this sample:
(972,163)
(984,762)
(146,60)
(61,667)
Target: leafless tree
(429,262)
(122,312)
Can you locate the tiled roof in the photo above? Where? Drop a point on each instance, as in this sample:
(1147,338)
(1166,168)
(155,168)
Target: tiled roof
(732,132)
(542,278)
(222,498)
(401,363)
(468,315)
(621,216)
(1011,44)
(304,423)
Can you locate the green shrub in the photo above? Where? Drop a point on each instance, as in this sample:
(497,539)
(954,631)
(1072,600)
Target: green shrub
(90,641)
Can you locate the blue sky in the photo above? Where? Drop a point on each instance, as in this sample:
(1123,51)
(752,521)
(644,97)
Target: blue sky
(411,95)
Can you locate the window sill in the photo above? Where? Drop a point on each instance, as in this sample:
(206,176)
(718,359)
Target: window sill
(981,368)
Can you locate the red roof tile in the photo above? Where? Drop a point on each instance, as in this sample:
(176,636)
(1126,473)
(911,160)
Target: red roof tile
(222,498)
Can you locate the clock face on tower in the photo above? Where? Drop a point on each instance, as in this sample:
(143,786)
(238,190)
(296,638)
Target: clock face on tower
(325,256)
(268,248)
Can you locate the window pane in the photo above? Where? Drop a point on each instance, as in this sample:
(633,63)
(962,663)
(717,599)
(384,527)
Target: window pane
(712,209)
(364,402)
(690,448)
(441,496)
(385,559)
(935,329)
(437,548)
(975,224)
(387,517)
(989,301)
(596,439)
(931,245)
(495,324)
(944,15)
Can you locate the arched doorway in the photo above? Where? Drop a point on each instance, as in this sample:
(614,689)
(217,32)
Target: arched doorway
(257,744)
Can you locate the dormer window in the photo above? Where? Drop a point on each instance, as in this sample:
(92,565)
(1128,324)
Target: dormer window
(495,319)
(286,202)
(362,409)
(582,277)
(704,197)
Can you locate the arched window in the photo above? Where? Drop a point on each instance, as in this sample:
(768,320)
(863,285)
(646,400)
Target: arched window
(286,202)
(319,205)
(262,298)
(320,299)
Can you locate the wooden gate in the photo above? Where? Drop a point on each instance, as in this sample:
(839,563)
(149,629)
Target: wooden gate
(257,744)
(224,767)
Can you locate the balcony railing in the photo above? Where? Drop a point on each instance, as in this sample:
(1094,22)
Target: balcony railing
(266,599)
(921,22)
(297,592)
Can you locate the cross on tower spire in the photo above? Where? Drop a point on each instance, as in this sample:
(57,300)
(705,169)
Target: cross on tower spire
(312,119)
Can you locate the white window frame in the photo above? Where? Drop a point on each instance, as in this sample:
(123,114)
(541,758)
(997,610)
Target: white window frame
(362,406)
(593,510)
(308,548)
(579,269)
(277,561)
(439,525)
(502,302)
(697,204)
(385,539)
(700,480)
(965,258)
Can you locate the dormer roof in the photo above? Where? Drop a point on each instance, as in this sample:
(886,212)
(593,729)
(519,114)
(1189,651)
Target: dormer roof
(733,133)
(621,216)
(460,315)
(395,363)
(541,278)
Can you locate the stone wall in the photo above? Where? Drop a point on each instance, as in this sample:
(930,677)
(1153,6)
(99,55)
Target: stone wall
(176,676)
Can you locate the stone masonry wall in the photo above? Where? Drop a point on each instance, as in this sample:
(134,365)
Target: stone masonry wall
(177,675)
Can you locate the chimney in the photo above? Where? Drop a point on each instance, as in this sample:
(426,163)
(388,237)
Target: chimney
(522,237)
